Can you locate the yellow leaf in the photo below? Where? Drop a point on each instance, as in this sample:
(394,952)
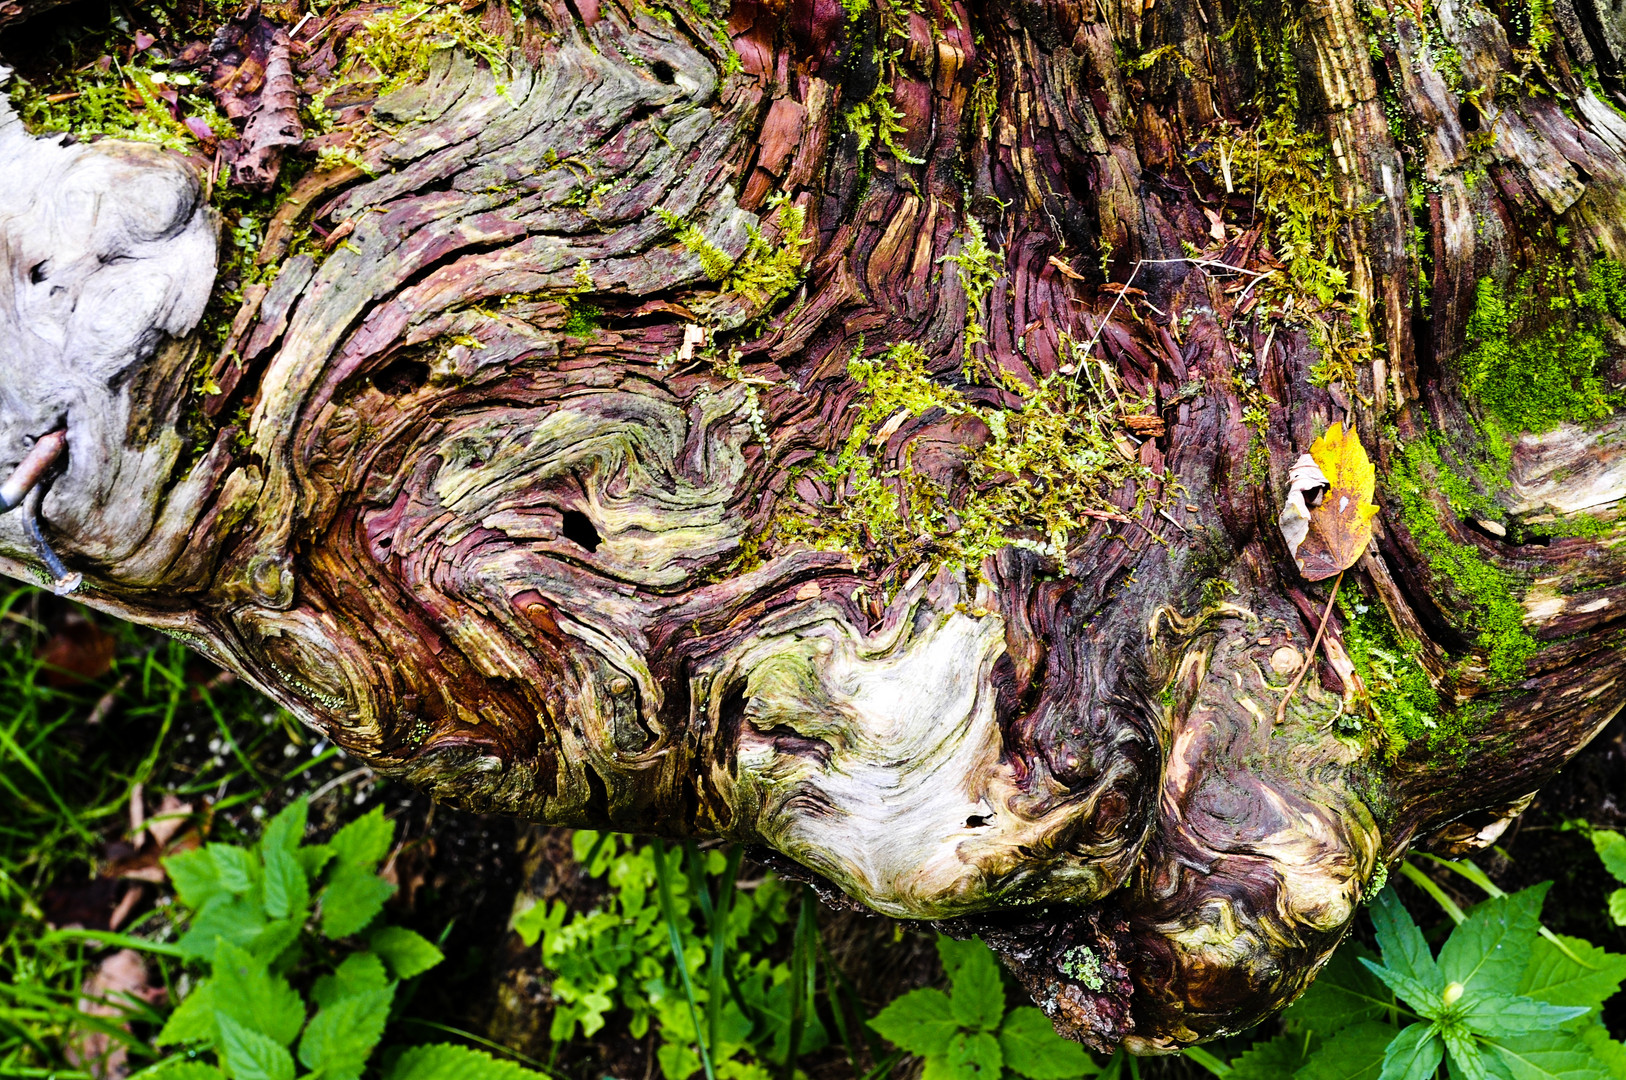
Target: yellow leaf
(1341,523)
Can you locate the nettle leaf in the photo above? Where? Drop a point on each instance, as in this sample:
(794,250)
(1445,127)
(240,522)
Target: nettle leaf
(1515,1015)
(287,829)
(953,953)
(1401,942)
(1489,952)
(342,1036)
(1413,992)
(245,990)
(285,889)
(364,842)
(1357,1052)
(1032,1048)
(977,996)
(973,1055)
(1617,906)
(193,1020)
(312,858)
(353,898)
(1610,1054)
(921,1022)
(406,952)
(357,974)
(234,919)
(1414,1054)
(250,1055)
(1611,848)
(234,867)
(1344,994)
(195,876)
(444,1062)
(1556,978)
(1466,1061)
(1547,1055)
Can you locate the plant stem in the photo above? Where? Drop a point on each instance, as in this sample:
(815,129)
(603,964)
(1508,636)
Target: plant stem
(1309,657)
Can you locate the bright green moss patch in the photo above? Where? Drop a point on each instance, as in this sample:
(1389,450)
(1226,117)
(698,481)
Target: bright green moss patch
(1041,478)
(398,43)
(1536,350)
(1403,701)
(1484,596)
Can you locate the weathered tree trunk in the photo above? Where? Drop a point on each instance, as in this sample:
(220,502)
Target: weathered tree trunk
(859,431)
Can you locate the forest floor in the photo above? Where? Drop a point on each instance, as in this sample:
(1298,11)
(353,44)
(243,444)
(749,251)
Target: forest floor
(118,748)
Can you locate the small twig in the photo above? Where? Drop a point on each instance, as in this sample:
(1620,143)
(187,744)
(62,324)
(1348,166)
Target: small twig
(1309,658)
(1201,264)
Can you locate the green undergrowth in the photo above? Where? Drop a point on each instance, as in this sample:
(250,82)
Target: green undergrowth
(767,270)
(1537,349)
(1483,597)
(1042,477)
(121,101)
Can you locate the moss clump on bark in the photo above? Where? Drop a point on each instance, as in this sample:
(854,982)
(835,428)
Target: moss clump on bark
(397,44)
(1041,478)
(1487,606)
(1538,348)
(1402,698)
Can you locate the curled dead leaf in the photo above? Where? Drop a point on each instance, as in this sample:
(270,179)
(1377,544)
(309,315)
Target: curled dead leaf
(1339,525)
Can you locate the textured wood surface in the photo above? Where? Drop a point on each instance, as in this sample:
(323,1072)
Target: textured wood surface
(534,569)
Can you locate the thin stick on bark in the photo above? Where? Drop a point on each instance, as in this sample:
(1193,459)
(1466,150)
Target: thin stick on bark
(1309,657)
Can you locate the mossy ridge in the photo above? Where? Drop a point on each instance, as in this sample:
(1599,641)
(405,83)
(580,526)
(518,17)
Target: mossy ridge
(1536,348)
(1485,594)
(766,270)
(1040,479)
(398,44)
(1403,702)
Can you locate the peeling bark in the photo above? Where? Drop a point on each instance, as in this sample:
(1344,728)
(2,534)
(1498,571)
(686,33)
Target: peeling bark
(534,559)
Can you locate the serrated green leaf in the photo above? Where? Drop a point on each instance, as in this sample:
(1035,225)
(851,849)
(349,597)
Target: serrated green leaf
(275,937)
(287,829)
(1401,942)
(1344,994)
(358,973)
(247,1054)
(1610,1054)
(953,953)
(1611,848)
(1617,907)
(312,858)
(444,1062)
(1554,977)
(195,876)
(1548,1055)
(1414,1054)
(1408,989)
(1270,1059)
(976,993)
(234,867)
(1466,1060)
(975,1055)
(1356,1052)
(352,899)
(193,1020)
(245,990)
(285,889)
(1032,1048)
(363,843)
(1515,1015)
(1489,952)
(342,1036)
(921,1022)
(234,919)
(407,953)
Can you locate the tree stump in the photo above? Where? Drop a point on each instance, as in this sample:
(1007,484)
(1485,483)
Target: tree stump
(860,431)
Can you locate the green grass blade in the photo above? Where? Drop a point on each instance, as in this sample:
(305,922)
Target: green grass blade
(663,886)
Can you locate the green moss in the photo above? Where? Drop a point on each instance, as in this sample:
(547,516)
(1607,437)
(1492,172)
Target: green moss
(1403,702)
(1042,477)
(979,267)
(714,261)
(397,43)
(875,120)
(1536,350)
(1484,595)
(123,102)
(1081,963)
(766,270)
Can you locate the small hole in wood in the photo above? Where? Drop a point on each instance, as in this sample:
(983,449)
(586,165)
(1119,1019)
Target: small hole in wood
(1468,116)
(36,273)
(976,821)
(664,72)
(579,531)
(402,377)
